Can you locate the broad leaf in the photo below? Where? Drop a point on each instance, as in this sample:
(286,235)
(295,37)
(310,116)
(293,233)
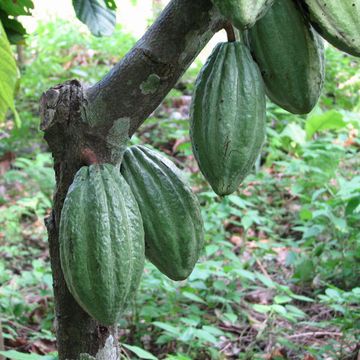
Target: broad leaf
(193,297)
(327,121)
(8,77)
(205,336)
(295,133)
(16,355)
(17,8)
(96,15)
(140,353)
(14,30)
(167,327)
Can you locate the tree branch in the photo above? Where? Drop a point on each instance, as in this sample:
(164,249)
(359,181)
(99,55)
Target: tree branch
(136,85)
(93,125)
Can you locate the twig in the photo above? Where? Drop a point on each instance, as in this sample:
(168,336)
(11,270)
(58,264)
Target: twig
(225,347)
(263,270)
(315,334)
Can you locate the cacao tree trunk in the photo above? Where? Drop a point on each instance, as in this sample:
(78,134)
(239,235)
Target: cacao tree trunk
(83,125)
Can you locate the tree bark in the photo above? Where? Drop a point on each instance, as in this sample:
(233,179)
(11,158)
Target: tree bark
(82,124)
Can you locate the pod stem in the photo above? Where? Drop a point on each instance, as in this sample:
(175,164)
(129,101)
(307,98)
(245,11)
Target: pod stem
(230,32)
(239,35)
(89,157)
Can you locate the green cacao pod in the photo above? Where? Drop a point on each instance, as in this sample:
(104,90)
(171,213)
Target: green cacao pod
(228,116)
(290,57)
(101,242)
(171,214)
(243,13)
(338,21)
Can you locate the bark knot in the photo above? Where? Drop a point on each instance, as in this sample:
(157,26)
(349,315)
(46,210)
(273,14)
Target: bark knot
(57,103)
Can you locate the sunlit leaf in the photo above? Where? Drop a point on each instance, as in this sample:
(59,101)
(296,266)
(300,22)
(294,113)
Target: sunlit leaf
(294,132)
(17,8)
(8,77)
(327,121)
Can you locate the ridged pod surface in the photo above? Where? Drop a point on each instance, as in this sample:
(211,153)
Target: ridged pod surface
(243,13)
(101,242)
(290,57)
(338,21)
(228,116)
(170,211)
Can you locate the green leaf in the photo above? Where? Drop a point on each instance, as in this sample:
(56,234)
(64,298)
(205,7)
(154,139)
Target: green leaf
(302,298)
(177,357)
(204,335)
(110,4)
(247,221)
(352,205)
(213,330)
(305,214)
(333,294)
(193,297)
(327,121)
(231,317)
(142,354)
(245,274)
(294,132)
(166,327)
(96,15)
(187,335)
(238,201)
(211,249)
(304,270)
(17,8)
(16,355)
(190,322)
(296,311)
(263,309)
(14,30)
(8,77)
(265,280)
(282,299)
(279,309)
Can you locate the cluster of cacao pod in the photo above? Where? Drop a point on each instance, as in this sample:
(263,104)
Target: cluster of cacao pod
(279,54)
(112,218)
